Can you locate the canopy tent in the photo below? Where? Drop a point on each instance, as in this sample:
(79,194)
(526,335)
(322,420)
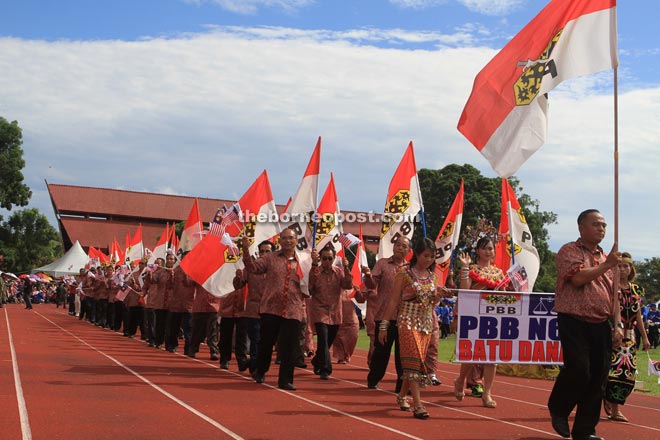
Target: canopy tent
(69,264)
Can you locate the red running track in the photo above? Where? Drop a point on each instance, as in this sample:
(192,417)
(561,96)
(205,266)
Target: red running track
(61,378)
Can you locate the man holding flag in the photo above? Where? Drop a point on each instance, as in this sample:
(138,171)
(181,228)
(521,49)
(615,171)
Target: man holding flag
(585,307)
(282,306)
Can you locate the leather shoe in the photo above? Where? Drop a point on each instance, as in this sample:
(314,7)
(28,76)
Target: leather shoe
(589,437)
(258,378)
(560,425)
(372,386)
(224,365)
(324,376)
(287,387)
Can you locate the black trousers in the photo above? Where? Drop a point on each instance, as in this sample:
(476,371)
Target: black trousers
(325,336)
(253,326)
(237,340)
(133,317)
(102,312)
(176,321)
(273,326)
(381,356)
(586,349)
(149,324)
(158,326)
(204,326)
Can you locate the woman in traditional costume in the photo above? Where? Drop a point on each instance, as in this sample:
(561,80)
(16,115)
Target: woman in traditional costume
(621,380)
(482,275)
(415,295)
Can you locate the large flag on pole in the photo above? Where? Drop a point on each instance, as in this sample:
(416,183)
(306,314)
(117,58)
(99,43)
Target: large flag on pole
(136,247)
(448,236)
(505,117)
(403,203)
(192,230)
(300,213)
(328,228)
(213,262)
(516,245)
(160,250)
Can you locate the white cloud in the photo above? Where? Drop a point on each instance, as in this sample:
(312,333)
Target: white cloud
(492,7)
(249,7)
(205,114)
(417,4)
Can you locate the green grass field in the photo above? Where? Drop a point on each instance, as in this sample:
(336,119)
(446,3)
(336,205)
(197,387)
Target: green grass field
(446,353)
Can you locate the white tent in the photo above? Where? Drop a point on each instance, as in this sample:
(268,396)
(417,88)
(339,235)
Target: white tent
(69,264)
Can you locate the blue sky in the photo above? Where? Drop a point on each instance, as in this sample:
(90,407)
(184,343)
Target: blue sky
(196,97)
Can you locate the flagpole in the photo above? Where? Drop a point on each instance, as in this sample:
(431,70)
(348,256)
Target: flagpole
(421,203)
(616,155)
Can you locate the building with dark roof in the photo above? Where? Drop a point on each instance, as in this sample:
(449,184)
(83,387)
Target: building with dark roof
(96,216)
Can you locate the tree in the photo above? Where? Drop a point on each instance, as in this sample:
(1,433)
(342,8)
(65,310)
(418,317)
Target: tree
(648,276)
(27,241)
(483,199)
(12,189)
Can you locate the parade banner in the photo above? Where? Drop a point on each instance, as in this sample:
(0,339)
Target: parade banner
(507,328)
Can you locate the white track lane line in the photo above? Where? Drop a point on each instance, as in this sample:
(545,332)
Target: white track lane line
(153,385)
(331,409)
(22,408)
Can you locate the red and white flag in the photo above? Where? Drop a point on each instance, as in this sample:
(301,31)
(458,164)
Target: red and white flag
(174,242)
(299,215)
(358,263)
(160,250)
(116,254)
(505,117)
(404,202)
(448,237)
(192,230)
(515,244)
(135,249)
(328,226)
(213,262)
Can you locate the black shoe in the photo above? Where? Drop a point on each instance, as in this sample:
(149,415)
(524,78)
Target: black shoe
(287,387)
(317,371)
(301,365)
(560,425)
(589,437)
(214,357)
(372,386)
(258,378)
(242,366)
(172,350)
(224,365)
(324,376)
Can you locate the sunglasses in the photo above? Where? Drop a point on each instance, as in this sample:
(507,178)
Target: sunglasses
(327,258)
